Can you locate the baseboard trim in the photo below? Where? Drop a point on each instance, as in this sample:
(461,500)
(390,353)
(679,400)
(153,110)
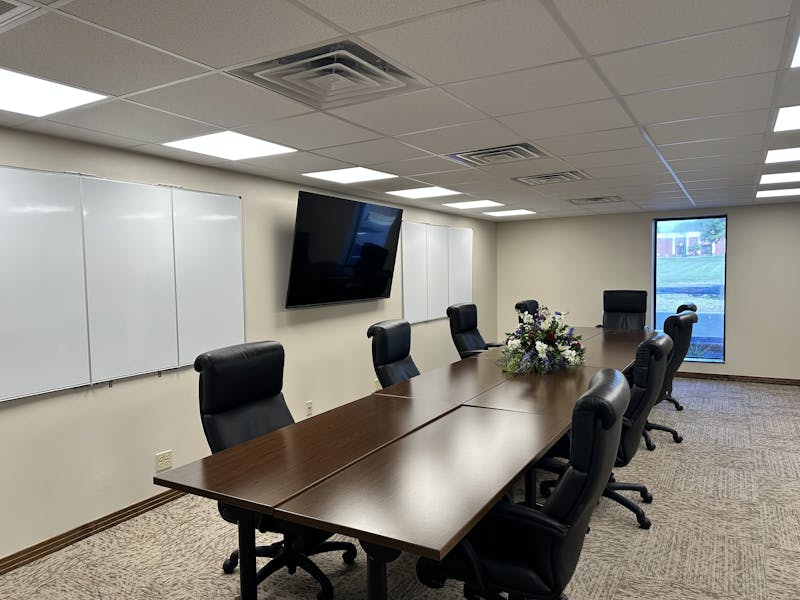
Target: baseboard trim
(42,549)
(742,378)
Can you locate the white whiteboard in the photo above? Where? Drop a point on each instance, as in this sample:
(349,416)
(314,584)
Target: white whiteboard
(415,272)
(208,272)
(438,264)
(42,302)
(130,278)
(460,267)
(437,270)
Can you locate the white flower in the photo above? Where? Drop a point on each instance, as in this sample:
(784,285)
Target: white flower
(514,344)
(541,348)
(527,318)
(570,356)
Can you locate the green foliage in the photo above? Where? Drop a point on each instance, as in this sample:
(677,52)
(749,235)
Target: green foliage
(713,230)
(680,270)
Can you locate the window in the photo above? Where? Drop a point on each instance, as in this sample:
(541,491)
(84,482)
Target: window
(689,266)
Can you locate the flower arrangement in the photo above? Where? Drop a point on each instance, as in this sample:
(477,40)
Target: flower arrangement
(542,343)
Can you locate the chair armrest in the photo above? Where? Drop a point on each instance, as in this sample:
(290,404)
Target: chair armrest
(525,520)
(468,353)
(552,464)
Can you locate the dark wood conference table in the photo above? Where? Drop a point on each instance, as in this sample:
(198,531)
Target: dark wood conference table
(410,468)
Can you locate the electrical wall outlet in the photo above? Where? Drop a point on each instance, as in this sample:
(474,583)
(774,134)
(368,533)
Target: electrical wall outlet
(309,408)
(163,461)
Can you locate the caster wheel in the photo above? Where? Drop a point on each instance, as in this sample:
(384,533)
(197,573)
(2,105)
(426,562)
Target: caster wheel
(678,439)
(679,407)
(325,595)
(647,498)
(650,447)
(349,557)
(228,567)
(645,523)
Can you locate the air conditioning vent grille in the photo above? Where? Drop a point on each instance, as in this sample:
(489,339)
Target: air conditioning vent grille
(11,9)
(595,200)
(330,76)
(499,155)
(561,177)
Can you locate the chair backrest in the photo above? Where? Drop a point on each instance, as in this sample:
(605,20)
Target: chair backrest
(687,306)
(646,380)
(624,309)
(391,348)
(679,328)
(240,393)
(596,426)
(527,306)
(464,328)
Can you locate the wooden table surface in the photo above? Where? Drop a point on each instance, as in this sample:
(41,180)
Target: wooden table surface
(615,348)
(422,493)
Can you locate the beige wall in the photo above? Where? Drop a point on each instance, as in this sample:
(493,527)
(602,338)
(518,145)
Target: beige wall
(71,457)
(567,263)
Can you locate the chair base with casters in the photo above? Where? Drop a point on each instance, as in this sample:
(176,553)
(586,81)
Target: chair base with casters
(284,555)
(676,437)
(669,398)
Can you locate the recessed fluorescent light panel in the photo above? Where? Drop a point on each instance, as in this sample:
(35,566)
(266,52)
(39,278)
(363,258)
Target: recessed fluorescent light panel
(230,145)
(38,98)
(796,58)
(424,192)
(474,204)
(510,213)
(352,175)
(780,178)
(788,118)
(785,155)
(778,193)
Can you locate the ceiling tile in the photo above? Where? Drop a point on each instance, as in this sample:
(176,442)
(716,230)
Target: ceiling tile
(788,88)
(355,15)
(417,111)
(608,26)
(418,166)
(458,138)
(651,168)
(76,133)
(732,53)
(522,91)
(222,100)
(316,130)
(125,119)
(783,139)
(451,46)
(214,33)
(12,119)
(597,141)
(374,151)
(449,178)
(609,158)
(296,163)
(101,62)
(565,120)
(745,143)
(709,128)
(681,165)
(182,155)
(704,100)
(522,168)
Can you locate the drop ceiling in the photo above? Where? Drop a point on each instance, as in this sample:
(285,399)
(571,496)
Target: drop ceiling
(659,104)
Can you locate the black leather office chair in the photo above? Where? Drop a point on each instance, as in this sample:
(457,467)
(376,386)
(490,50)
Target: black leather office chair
(646,380)
(464,329)
(527,306)
(668,395)
(679,328)
(687,306)
(532,553)
(624,309)
(240,399)
(391,348)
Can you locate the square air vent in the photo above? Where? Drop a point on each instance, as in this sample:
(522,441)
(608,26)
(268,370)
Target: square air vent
(498,156)
(11,9)
(562,177)
(595,200)
(330,76)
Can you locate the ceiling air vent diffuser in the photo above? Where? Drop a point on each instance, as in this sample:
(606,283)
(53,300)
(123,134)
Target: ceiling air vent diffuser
(562,177)
(498,156)
(330,76)
(11,9)
(595,200)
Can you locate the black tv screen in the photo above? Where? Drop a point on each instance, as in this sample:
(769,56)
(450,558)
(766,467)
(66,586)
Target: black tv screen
(343,250)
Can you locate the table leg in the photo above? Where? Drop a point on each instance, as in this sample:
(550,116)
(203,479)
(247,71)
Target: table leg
(377,557)
(247,556)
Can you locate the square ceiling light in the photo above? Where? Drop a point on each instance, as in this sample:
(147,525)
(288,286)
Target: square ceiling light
(510,213)
(474,204)
(351,175)
(424,192)
(36,97)
(780,178)
(778,193)
(230,145)
(788,118)
(784,155)
(796,57)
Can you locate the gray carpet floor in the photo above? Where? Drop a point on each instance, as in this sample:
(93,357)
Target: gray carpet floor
(726,525)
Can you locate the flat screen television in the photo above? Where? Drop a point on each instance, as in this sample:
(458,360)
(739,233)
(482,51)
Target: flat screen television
(343,250)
